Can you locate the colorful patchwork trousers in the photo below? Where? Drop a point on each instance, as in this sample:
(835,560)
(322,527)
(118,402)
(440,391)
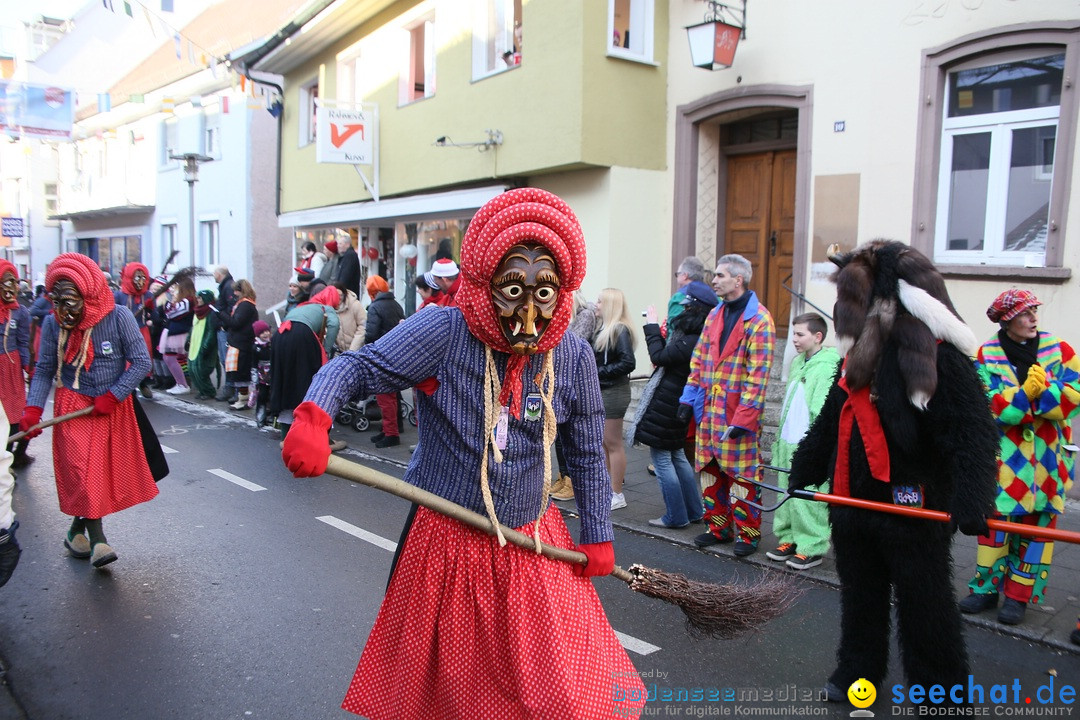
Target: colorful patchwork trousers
(729,517)
(1014,564)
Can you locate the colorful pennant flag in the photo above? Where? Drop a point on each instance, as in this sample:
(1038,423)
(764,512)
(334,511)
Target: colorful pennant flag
(108,5)
(176,39)
(137,98)
(224,104)
(127,8)
(166,5)
(168,105)
(104,102)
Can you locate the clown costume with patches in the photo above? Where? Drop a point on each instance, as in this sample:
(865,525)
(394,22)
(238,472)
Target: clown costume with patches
(472,627)
(95,352)
(1033,380)
(15,356)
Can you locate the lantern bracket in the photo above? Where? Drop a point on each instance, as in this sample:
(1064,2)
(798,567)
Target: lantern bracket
(730,14)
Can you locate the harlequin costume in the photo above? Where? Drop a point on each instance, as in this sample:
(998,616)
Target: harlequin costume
(100,461)
(905,422)
(726,387)
(14,360)
(1036,465)
(508,634)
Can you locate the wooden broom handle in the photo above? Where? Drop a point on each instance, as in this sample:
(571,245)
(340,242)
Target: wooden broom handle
(52,421)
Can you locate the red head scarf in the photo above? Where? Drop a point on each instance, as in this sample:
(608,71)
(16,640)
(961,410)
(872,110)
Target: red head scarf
(522,215)
(6,308)
(97,298)
(127,276)
(327,296)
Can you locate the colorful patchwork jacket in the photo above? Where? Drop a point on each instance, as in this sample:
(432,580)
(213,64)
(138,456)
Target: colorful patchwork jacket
(731,381)
(1037,452)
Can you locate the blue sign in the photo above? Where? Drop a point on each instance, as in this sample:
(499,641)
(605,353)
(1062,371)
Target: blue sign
(40,111)
(11,227)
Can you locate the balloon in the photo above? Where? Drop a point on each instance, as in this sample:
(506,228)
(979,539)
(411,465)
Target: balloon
(411,261)
(372,253)
(408,251)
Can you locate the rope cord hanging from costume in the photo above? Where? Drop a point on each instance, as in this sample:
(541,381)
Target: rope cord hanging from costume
(492,388)
(83,357)
(545,381)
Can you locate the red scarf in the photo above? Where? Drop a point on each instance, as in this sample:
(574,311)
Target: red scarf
(859,407)
(522,215)
(6,308)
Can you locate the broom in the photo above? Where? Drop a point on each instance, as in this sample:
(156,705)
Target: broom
(921,513)
(50,422)
(718,611)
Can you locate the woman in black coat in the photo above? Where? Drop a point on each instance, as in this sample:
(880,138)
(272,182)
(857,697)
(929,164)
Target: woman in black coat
(241,339)
(656,424)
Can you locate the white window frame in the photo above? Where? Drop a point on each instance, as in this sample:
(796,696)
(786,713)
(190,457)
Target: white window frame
(168,238)
(1000,125)
(209,242)
(212,134)
(51,201)
(493,36)
(406,79)
(170,140)
(348,76)
(309,93)
(643,15)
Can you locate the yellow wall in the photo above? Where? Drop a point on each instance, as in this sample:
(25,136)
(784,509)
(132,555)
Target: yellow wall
(566,106)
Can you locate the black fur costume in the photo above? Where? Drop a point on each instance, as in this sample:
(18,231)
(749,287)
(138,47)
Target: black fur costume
(905,341)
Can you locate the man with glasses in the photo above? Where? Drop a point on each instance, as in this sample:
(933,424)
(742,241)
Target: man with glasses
(690,269)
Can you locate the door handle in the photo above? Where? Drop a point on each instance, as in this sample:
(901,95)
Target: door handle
(772,244)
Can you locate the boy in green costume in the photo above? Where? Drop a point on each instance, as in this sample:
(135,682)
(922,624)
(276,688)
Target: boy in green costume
(802,526)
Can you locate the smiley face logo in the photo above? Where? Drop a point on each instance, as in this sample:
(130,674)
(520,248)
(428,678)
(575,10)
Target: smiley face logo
(862,693)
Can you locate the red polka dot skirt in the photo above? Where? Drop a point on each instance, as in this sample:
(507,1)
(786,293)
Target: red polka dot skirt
(99,460)
(12,386)
(471,630)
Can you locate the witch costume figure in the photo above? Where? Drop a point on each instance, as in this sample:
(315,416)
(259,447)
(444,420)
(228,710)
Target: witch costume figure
(15,356)
(94,350)
(471,627)
(906,422)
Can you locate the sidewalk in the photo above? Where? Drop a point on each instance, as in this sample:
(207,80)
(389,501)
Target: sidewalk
(1048,624)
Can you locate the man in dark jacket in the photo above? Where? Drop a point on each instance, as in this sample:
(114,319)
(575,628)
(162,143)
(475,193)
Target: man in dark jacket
(348,273)
(384,313)
(225,301)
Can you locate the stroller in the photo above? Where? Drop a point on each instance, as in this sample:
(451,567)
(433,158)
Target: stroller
(360,413)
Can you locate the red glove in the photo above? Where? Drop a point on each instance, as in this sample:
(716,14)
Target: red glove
(307,446)
(601,559)
(31,416)
(105,404)
(428,386)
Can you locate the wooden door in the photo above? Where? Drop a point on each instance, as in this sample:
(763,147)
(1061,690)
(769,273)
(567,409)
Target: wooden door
(761,224)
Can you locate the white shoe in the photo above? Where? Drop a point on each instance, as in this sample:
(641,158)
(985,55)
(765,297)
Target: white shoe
(240,404)
(179,390)
(618,500)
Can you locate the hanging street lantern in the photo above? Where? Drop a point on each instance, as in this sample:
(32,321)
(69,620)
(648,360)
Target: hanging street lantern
(713,42)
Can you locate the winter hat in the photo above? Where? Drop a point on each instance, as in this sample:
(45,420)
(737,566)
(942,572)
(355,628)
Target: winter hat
(260,326)
(207,296)
(375,285)
(699,291)
(304,274)
(1011,303)
(161,280)
(444,268)
(330,245)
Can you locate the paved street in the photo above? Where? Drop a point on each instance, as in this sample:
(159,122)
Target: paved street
(242,592)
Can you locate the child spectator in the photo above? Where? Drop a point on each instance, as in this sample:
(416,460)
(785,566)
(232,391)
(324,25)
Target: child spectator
(260,389)
(202,349)
(802,526)
(179,314)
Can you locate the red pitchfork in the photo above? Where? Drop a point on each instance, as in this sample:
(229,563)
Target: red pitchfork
(1042,533)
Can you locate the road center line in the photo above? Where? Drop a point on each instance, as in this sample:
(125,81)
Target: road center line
(358,532)
(633,644)
(168,450)
(237,480)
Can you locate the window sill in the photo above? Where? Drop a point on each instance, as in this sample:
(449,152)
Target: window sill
(640,59)
(998,272)
(495,72)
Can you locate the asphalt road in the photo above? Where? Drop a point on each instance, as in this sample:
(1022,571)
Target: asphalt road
(242,592)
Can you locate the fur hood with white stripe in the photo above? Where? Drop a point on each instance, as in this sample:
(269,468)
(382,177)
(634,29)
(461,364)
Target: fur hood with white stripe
(888,291)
